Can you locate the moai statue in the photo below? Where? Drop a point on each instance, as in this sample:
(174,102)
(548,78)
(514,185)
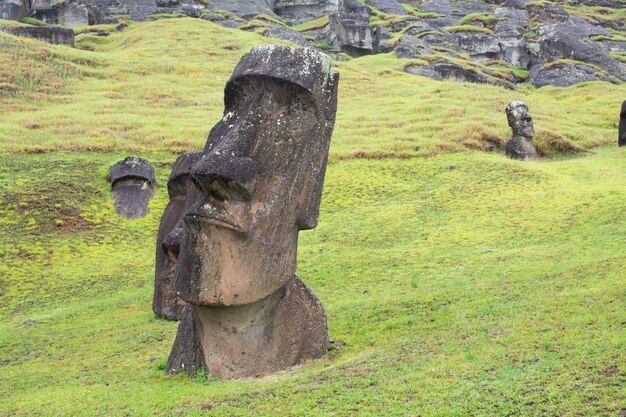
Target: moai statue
(621,139)
(520,146)
(258,184)
(166,304)
(132,182)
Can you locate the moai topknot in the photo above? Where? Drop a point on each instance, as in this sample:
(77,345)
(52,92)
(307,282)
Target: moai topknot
(166,303)
(132,182)
(621,139)
(258,184)
(520,146)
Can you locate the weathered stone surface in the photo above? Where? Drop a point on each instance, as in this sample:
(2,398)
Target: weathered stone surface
(510,33)
(411,47)
(301,10)
(132,186)
(353,33)
(54,35)
(621,139)
(520,146)
(379,43)
(258,183)
(481,46)
(166,303)
(13,9)
(281,32)
(565,74)
(446,71)
(72,13)
(564,41)
(389,7)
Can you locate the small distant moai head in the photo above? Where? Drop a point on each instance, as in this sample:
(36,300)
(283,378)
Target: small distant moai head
(132,185)
(520,146)
(166,303)
(259,181)
(621,141)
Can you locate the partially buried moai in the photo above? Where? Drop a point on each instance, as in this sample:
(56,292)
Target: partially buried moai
(520,146)
(621,139)
(132,182)
(166,303)
(258,183)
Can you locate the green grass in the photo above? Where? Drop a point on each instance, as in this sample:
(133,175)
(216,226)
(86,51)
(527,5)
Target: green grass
(456,282)
(468,28)
(314,24)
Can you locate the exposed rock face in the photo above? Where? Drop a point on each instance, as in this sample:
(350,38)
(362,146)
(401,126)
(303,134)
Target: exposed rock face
(13,9)
(258,183)
(352,31)
(54,35)
(520,146)
(166,304)
(564,74)
(621,139)
(132,186)
(512,40)
(302,10)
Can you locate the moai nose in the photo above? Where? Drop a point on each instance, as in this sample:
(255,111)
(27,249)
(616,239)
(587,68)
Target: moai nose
(171,243)
(225,177)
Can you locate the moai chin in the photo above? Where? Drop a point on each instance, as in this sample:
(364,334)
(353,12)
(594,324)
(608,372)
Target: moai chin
(258,183)
(132,182)
(520,146)
(166,303)
(621,139)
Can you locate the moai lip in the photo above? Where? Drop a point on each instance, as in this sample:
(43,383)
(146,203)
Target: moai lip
(166,303)
(520,146)
(621,138)
(258,183)
(132,186)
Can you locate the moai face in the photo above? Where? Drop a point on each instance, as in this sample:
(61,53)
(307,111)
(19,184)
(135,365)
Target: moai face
(166,303)
(132,186)
(260,178)
(519,119)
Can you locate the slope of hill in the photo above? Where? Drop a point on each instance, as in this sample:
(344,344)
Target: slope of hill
(456,281)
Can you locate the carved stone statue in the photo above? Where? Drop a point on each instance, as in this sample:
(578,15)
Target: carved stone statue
(132,182)
(258,184)
(621,140)
(520,146)
(166,303)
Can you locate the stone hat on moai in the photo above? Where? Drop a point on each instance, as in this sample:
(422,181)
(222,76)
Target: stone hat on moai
(258,183)
(520,146)
(166,303)
(132,182)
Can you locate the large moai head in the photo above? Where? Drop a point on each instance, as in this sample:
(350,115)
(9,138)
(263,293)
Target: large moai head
(258,183)
(520,146)
(621,141)
(132,182)
(519,119)
(166,303)
(260,177)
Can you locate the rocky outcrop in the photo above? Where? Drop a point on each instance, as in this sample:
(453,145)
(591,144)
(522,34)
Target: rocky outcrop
(501,40)
(54,35)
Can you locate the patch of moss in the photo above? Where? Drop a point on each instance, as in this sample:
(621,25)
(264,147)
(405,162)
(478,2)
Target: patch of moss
(468,28)
(31,21)
(314,24)
(487,19)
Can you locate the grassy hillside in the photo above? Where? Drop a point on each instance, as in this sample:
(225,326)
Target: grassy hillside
(455,283)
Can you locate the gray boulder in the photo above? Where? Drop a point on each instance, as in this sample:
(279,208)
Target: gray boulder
(564,74)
